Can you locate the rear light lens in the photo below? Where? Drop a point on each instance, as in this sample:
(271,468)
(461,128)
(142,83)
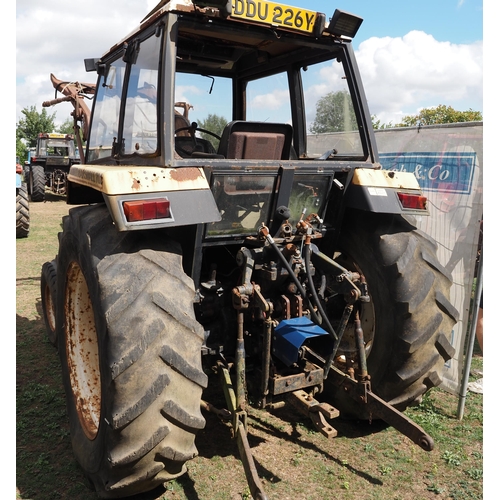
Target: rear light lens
(413,201)
(138,210)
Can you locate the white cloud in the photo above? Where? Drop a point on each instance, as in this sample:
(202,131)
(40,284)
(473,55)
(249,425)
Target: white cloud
(55,38)
(271,101)
(400,75)
(403,75)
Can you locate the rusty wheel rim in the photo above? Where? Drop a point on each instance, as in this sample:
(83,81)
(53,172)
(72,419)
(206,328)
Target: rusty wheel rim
(347,349)
(82,351)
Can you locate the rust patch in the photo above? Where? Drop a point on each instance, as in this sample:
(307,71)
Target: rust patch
(185,174)
(136,183)
(82,356)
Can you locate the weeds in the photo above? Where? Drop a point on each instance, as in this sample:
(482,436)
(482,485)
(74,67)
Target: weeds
(434,488)
(451,459)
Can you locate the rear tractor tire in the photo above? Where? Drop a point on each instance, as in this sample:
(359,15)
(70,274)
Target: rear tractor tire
(130,350)
(408,322)
(37,183)
(48,294)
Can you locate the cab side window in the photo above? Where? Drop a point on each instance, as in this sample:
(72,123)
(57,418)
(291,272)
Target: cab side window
(140,126)
(106,112)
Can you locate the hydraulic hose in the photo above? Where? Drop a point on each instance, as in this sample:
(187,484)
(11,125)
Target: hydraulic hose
(328,325)
(301,289)
(345,316)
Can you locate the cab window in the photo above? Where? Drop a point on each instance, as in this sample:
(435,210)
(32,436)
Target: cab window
(104,130)
(140,126)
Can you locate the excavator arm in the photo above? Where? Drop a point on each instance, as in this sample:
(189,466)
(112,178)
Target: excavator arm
(75,93)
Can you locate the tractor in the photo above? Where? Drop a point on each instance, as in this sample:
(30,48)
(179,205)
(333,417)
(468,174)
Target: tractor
(49,163)
(244,259)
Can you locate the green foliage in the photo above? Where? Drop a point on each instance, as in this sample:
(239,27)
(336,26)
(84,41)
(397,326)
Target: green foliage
(29,127)
(432,116)
(33,123)
(334,113)
(435,489)
(451,458)
(21,151)
(66,127)
(440,114)
(214,123)
(377,125)
(476,474)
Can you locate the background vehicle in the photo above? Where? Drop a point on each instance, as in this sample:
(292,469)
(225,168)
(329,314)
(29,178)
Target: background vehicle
(295,277)
(48,165)
(22,204)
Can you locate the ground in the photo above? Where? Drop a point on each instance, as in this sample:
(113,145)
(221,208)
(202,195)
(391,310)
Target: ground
(365,462)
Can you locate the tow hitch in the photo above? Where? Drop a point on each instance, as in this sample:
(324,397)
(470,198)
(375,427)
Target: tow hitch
(321,415)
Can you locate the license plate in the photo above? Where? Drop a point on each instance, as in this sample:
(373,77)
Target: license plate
(275,14)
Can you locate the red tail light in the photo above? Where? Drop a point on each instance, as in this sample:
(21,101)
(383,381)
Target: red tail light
(413,201)
(137,210)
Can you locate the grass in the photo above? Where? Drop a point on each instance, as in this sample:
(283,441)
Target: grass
(294,461)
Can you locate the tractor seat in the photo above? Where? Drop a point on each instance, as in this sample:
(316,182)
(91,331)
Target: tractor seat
(256,140)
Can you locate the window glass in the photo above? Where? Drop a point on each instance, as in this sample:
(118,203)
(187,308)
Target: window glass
(243,201)
(140,130)
(106,112)
(308,196)
(268,99)
(56,147)
(205,100)
(331,122)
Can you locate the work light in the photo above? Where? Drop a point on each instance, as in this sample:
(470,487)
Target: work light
(344,24)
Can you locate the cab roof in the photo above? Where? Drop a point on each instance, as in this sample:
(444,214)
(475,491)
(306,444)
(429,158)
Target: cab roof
(225,37)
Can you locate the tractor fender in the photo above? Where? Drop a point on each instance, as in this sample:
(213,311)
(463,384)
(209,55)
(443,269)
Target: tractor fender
(382,191)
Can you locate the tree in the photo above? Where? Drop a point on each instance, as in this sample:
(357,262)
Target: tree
(334,113)
(377,125)
(21,150)
(67,127)
(214,123)
(28,128)
(440,114)
(33,123)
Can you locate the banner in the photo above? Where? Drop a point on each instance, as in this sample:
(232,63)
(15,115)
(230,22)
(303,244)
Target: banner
(447,161)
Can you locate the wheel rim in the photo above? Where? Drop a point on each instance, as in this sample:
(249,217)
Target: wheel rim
(50,309)
(347,349)
(82,351)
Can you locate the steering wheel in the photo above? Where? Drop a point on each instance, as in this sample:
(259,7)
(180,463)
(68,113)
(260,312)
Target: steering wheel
(193,128)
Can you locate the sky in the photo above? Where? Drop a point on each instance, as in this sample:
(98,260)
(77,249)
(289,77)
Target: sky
(411,54)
